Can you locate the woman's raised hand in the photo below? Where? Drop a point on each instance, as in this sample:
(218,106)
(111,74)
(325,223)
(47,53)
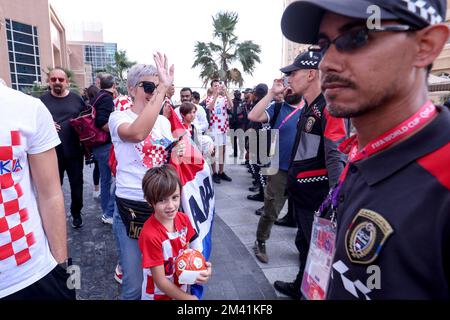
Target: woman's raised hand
(165,73)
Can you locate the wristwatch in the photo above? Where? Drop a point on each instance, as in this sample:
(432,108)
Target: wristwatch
(66,263)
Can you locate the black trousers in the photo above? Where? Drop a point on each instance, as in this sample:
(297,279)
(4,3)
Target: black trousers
(51,287)
(74,168)
(96,174)
(304,218)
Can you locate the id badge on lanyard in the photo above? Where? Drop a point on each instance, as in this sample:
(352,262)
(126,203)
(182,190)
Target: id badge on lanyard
(316,277)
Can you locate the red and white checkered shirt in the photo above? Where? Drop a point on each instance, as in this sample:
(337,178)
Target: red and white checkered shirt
(218,120)
(26,128)
(160,247)
(122,103)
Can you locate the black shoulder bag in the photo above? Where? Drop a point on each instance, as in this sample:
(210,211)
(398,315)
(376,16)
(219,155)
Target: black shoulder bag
(133,214)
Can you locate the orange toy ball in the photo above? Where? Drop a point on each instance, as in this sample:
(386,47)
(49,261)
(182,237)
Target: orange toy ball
(189,260)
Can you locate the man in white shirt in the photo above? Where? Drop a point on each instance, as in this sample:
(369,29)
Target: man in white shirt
(33,240)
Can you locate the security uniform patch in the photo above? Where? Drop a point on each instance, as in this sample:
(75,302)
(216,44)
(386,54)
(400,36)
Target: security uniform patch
(310,124)
(365,236)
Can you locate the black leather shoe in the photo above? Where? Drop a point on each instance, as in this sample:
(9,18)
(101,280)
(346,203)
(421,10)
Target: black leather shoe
(288,289)
(216,178)
(223,176)
(254,189)
(259,211)
(256,197)
(286,222)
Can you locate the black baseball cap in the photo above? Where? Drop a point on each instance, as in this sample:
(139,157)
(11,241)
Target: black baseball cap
(301,19)
(305,60)
(261,90)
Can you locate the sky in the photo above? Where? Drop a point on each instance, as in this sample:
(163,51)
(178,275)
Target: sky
(142,27)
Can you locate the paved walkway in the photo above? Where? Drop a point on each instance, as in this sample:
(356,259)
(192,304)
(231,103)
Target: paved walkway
(237,274)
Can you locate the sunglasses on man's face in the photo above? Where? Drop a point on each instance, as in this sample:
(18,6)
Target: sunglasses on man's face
(357,38)
(148,86)
(54,79)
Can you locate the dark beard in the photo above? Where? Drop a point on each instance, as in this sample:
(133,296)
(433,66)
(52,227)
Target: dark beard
(365,108)
(293,99)
(58,90)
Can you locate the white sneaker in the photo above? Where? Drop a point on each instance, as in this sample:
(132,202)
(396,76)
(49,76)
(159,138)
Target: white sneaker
(107,220)
(96,194)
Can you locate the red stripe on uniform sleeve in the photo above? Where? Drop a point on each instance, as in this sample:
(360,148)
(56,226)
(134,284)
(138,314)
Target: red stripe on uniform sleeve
(313,173)
(335,127)
(436,163)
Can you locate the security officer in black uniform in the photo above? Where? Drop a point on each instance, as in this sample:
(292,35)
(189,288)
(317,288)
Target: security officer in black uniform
(391,207)
(315,163)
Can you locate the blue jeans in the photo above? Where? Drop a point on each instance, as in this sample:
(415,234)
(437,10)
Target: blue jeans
(101,154)
(130,258)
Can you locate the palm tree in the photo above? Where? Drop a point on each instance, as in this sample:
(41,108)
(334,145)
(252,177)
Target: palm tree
(122,64)
(120,68)
(215,59)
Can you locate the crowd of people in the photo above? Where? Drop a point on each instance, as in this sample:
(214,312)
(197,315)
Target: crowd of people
(356,149)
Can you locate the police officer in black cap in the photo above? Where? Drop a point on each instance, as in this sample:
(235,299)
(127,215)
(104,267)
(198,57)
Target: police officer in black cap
(259,92)
(390,211)
(315,162)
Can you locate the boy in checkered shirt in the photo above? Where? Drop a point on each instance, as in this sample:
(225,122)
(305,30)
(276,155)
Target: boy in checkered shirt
(164,236)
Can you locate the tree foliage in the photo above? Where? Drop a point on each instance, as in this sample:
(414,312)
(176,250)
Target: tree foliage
(217,59)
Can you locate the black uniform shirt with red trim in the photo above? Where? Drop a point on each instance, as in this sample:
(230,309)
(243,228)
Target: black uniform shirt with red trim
(316,163)
(393,220)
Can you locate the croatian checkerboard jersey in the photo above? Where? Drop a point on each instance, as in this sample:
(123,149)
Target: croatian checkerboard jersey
(393,220)
(26,128)
(218,120)
(160,247)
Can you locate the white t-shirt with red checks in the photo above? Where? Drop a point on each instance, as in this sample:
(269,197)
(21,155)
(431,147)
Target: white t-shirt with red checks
(160,247)
(134,159)
(218,120)
(26,128)
(122,103)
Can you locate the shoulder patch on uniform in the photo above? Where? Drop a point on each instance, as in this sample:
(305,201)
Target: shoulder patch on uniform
(309,124)
(436,163)
(366,236)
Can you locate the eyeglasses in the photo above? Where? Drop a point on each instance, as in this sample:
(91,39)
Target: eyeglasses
(357,38)
(53,79)
(148,86)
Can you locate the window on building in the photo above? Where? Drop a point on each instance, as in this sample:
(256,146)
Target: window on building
(99,56)
(23,51)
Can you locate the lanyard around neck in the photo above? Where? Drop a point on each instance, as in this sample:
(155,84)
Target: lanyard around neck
(387,139)
(301,105)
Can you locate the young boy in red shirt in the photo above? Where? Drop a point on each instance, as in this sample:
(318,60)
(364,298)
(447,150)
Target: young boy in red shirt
(164,236)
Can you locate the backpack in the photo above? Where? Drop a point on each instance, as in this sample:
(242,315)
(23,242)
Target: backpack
(84,125)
